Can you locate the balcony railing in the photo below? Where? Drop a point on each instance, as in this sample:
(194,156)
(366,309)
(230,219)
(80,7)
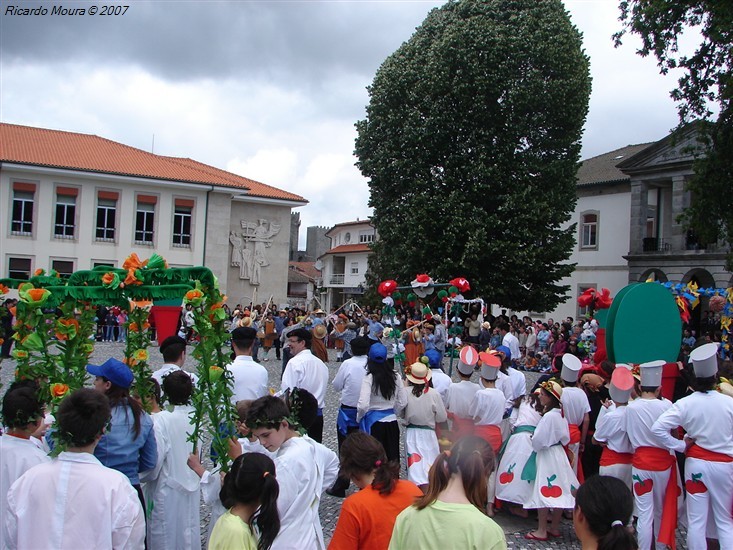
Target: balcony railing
(653,244)
(336,279)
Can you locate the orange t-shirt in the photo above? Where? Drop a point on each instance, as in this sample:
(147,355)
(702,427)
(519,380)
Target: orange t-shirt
(367,518)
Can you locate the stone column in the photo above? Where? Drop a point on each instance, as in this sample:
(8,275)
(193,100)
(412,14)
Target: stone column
(680,201)
(639,205)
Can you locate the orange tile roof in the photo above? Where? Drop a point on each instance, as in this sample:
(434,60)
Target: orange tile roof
(307,268)
(90,153)
(346,248)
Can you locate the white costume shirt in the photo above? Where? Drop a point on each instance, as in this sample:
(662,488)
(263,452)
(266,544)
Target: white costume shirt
(348,379)
(487,407)
(17,456)
(640,417)
(611,429)
(172,488)
(250,378)
(574,405)
(518,381)
(512,342)
(74,502)
(307,371)
(168,368)
(551,429)
(526,415)
(305,469)
(706,417)
(504,383)
(370,401)
(459,396)
(441,383)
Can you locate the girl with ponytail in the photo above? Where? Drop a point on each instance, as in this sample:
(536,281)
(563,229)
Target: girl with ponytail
(249,493)
(452,513)
(603,508)
(367,517)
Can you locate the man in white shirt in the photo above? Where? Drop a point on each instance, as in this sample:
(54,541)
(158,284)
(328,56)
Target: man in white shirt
(305,370)
(510,341)
(74,501)
(173,350)
(250,378)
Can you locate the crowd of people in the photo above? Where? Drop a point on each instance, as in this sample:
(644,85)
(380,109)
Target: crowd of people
(596,442)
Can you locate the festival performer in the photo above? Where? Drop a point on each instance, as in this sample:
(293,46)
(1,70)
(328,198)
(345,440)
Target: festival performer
(441,381)
(611,429)
(367,517)
(250,493)
(707,418)
(269,328)
(508,382)
(487,410)
(171,488)
(451,514)
(654,467)
(306,371)
(515,452)
(74,501)
(382,395)
(345,337)
(22,415)
(413,342)
(348,381)
(305,468)
(250,378)
(424,410)
(576,408)
(552,478)
(458,400)
(173,350)
(603,508)
(318,342)
(339,327)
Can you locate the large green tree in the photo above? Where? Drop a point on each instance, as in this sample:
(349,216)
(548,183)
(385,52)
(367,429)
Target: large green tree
(471,145)
(705,86)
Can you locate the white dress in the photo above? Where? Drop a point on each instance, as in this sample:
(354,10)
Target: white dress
(510,486)
(555,482)
(421,443)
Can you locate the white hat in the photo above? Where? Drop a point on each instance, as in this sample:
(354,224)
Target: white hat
(465,369)
(489,373)
(705,360)
(571,366)
(651,373)
(622,382)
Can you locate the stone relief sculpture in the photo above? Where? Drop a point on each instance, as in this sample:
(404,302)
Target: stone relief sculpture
(251,259)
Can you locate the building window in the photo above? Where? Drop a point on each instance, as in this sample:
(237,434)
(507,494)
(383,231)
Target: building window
(22,221)
(354,268)
(19,268)
(102,264)
(182,227)
(64,267)
(65,215)
(589,230)
(583,311)
(106,216)
(144,223)
(366,236)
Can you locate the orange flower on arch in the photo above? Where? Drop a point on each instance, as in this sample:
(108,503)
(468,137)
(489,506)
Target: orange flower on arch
(140,355)
(59,390)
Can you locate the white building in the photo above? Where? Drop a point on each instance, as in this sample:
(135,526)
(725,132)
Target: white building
(344,265)
(77,201)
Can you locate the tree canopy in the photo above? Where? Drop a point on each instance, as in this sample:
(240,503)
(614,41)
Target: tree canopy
(706,85)
(471,144)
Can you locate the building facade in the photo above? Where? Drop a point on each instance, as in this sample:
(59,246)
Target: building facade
(77,201)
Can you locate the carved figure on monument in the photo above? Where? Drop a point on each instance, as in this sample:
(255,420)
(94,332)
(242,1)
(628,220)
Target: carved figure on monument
(252,259)
(237,243)
(245,269)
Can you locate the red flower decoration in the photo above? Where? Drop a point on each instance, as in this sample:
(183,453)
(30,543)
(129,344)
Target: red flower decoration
(423,278)
(595,300)
(461,284)
(386,288)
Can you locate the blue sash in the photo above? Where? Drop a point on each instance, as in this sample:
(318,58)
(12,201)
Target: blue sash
(372,417)
(346,419)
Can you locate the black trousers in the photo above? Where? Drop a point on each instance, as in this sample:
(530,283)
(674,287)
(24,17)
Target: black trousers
(388,434)
(315,432)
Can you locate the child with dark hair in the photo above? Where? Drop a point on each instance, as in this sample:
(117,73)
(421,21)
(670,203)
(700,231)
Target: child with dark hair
(306,467)
(249,493)
(451,514)
(22,414)
(82,503)
(603,508)
(367,517)
(171,488)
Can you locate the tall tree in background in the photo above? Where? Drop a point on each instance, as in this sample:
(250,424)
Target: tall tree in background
(471,144)
(707,80)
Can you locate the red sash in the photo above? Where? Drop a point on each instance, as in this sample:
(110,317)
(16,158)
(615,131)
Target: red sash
(461,426)
(491,434)
(609,457)
(575,438)
(695,451)
(658,460)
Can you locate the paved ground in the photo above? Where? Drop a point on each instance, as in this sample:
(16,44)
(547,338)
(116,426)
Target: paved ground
(514,528)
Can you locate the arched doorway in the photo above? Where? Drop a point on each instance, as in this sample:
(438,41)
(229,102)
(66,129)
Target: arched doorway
(703,279)
(653,274)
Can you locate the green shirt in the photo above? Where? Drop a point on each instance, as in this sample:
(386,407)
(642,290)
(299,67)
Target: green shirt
(231,533)
(442,525)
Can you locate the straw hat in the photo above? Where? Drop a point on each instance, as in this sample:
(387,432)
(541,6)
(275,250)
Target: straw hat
(320,331)
(418,373)
(553,388)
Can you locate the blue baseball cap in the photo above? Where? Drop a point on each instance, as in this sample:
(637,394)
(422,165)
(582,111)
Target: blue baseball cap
(434,358)
(505,350)
(377,353)
(113,370)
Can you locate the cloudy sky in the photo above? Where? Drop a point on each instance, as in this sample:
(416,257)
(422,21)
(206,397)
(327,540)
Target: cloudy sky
(269,89)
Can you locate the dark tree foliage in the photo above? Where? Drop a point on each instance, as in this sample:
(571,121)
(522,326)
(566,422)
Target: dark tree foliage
(471,145)
(706,81)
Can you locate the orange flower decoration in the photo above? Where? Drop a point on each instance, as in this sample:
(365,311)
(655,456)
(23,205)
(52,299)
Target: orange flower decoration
(140,355)
(38,272)
(132,262)
(135,328)
(4,289)
(131,279)
(129,361)
(194,297)
(59,390)
(67,329)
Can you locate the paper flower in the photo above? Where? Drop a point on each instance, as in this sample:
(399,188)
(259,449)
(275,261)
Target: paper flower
(422,285)
(386,288)
(3,289)
(194,297)
(215,373)
(111,280)
(461,284)
(34,297)
(19,354)
(140,355)
(66,329)
(39,272)
(59,390)
(33,342)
